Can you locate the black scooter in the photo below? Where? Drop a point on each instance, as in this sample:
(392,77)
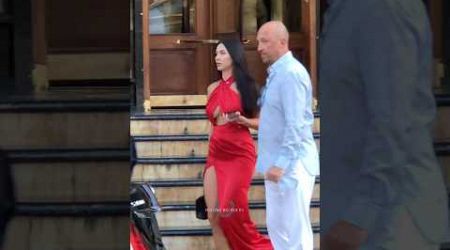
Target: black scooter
(144,205)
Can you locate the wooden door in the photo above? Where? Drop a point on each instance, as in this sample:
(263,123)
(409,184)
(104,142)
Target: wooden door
(179,37)
(177,53)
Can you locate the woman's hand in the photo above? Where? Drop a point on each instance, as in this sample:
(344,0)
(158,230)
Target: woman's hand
(237,118)
(242,120)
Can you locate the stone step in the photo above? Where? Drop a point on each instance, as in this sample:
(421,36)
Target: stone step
(174,191)
(187,167)
(64,129)
(77,233)
(146,172)
(75,175)
(175,146)
(178,122)
(183,214)
(169,169)
(200,238)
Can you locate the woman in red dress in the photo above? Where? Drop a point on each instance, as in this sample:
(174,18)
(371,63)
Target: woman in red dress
(231,157)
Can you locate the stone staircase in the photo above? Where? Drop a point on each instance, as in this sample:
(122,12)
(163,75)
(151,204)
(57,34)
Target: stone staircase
(69,153)
(170,147)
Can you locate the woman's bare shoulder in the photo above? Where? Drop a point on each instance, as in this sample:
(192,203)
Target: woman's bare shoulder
(212,87)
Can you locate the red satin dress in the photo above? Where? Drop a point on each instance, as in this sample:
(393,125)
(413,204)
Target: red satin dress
(232,154)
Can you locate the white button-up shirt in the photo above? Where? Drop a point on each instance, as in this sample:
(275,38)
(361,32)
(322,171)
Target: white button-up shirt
(285,126)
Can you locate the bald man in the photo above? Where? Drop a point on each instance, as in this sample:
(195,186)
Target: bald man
(287,153)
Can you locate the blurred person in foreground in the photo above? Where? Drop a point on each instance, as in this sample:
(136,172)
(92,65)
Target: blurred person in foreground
(381,185)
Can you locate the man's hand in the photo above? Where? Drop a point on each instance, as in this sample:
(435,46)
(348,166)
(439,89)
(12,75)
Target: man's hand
(274,174)
(344,236)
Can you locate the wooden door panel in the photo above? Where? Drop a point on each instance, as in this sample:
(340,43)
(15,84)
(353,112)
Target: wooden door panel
(225,16)
(172,69)
(86,25)
(177,68)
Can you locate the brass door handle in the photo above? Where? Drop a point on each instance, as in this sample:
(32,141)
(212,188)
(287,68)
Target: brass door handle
(202,41)
(205,41)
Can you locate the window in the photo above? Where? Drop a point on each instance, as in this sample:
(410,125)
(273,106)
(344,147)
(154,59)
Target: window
(171,16)
(257,12)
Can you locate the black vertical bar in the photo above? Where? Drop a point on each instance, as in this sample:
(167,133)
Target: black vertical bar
(268,4)
(6,8)
(240,28)
(185,24)
(23,52)
(446,36)
(132,56)
(7,11)
(138,56)
(7,48)
(6,74)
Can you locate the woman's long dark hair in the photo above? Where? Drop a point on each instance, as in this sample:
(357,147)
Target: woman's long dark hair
(245,83)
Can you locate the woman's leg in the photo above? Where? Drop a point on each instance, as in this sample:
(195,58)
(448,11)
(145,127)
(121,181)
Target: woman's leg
(210,186)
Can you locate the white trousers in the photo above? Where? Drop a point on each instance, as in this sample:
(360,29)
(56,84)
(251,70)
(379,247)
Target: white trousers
(287,211)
